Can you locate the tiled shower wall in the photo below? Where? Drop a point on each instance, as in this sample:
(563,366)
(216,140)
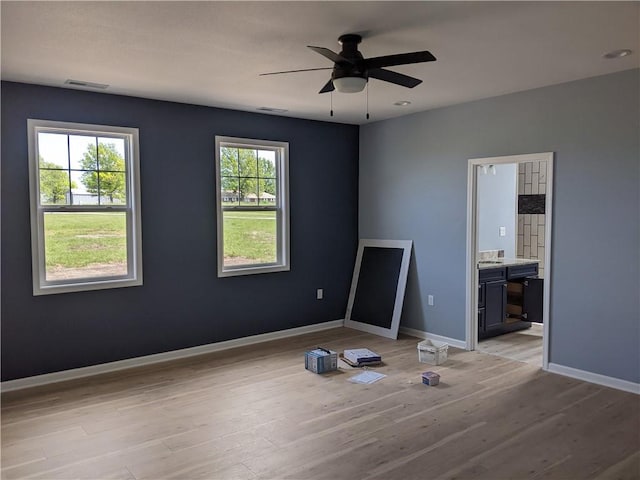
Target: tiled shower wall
(532,180)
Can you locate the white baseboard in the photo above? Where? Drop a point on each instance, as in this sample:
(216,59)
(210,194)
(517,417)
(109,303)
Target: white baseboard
(432,336)
(595,378)
(75,373)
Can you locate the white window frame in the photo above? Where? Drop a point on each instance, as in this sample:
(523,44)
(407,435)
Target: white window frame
(281,207)
(41,286)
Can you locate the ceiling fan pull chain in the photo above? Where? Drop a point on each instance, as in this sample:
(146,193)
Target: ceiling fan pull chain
(367,101)
(331,95)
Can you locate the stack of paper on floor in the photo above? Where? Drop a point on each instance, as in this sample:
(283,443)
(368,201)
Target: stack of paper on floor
(362,356)
(366,377)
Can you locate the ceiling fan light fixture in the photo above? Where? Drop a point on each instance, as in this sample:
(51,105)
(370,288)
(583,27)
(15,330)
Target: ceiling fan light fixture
(350,84)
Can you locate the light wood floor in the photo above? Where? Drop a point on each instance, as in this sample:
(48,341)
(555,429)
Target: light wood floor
(256,413)
(523,345)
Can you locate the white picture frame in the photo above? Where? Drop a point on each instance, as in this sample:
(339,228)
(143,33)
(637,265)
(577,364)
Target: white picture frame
(400,287)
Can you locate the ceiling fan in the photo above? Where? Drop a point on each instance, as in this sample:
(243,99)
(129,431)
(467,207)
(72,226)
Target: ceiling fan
(351,70)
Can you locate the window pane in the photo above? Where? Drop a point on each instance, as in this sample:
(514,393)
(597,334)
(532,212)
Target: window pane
(267,188)
(80,194)
(82,152)
(54,187)
(111,154)
(249,238)
(230,191)
(53,151)
(85,245)
(113,188)
(248,162)
(115,146)
(229,162)
(85,184)
(266,163)
(248,191)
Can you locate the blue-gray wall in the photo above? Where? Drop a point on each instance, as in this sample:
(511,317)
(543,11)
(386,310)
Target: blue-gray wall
(182,303)
(413,185)
(497,203)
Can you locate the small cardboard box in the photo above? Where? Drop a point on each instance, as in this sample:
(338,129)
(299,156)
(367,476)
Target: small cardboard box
(432,351)
(430,378)
(321,360)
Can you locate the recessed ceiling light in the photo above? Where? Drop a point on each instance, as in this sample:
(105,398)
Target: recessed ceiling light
(403,103)
(270,109)
(618,53)
(82,83)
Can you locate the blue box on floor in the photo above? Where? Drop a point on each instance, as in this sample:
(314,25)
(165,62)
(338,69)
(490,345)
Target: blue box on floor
(321,360)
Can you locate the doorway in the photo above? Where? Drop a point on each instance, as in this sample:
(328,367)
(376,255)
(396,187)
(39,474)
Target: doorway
(533,201)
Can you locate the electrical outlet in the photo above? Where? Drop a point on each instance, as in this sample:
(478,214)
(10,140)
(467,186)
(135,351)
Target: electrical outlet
(430,300)
(319,294)
(503,231)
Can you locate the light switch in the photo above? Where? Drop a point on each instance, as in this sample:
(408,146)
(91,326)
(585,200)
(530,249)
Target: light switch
(503,231)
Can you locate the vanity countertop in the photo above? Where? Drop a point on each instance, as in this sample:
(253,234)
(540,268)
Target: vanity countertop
(505,262)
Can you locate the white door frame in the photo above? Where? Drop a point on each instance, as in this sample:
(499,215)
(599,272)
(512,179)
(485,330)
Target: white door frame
(472,232)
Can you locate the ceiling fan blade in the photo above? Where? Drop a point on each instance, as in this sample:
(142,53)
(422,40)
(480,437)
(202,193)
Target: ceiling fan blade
(399,59)
(394,77)
(331,55)
(294,71)
(328,87)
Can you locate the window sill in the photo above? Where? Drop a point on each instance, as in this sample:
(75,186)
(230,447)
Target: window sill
(85,286)
(252,270)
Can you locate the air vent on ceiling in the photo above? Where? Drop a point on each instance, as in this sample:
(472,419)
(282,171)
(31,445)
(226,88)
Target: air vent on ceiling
(273,110)
(82,83)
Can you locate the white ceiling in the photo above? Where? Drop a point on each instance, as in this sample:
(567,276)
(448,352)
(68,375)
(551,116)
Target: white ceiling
(211,53)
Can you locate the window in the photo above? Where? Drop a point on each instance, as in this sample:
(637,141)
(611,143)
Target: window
(253,213)
(85,207)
